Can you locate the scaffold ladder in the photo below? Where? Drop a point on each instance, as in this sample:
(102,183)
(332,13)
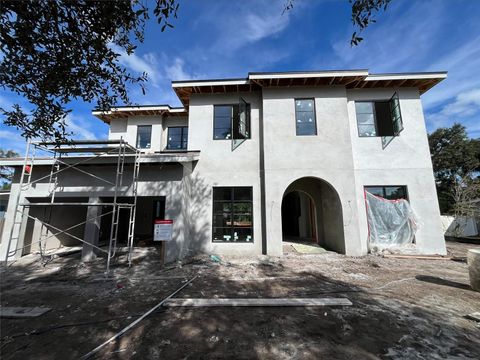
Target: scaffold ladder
(19,215)
(133,209)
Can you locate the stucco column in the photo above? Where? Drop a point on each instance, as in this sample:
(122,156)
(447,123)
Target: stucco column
(92,230)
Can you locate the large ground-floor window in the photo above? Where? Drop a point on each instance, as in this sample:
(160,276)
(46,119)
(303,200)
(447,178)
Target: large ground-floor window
(388,192)
(232,214)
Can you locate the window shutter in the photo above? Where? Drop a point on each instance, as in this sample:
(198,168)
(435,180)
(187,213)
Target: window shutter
(240,127)
(396,117)
(396,114)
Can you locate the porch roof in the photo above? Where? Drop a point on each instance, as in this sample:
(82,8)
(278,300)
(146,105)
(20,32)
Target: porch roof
(147,158)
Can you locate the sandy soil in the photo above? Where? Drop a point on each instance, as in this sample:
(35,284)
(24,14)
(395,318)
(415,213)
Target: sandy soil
(402,308)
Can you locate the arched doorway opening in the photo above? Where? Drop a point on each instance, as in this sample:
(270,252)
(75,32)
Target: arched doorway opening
(298,217)
(312,213)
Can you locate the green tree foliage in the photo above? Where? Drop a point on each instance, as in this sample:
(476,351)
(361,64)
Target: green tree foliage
(454,157)
(56,51)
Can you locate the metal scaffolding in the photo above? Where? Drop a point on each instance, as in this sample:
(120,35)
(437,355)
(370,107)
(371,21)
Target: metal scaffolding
(86,150)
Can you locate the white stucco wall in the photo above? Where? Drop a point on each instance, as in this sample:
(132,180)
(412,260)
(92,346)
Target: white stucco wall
(220,166)
(127,129)
(326,156)
(405,161)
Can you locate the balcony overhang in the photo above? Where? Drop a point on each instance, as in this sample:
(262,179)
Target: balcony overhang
(147,158)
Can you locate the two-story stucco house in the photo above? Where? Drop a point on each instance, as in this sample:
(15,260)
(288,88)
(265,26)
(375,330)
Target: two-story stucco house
(247,163)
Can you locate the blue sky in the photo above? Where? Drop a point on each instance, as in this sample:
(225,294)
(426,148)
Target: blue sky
(217,39)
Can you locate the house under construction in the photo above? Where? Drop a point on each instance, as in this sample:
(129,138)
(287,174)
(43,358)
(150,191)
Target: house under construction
(244,165)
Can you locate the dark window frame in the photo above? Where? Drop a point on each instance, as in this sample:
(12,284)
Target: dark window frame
(232,201)
(314,116)
(407,197)
(232,105)
(182,135)
(374,117)
(138,133)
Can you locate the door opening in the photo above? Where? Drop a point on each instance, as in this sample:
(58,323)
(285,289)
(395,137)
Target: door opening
(298,217)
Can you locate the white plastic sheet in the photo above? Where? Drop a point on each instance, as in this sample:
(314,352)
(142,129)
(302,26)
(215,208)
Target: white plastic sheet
(391,223)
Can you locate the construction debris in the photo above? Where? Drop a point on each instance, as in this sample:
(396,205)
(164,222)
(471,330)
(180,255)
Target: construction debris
(258,302)
(22,312)
(401,317)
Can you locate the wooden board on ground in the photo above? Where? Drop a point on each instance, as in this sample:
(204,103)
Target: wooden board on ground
(22,312)
(258,302)
(423,257)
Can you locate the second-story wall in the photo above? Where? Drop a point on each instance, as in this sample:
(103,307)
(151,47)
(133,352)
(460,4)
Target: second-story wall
(408,150)
(127,129)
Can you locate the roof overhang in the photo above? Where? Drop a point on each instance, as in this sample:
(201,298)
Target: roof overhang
(184,89)
(122,112)
(423,81)
(351,79)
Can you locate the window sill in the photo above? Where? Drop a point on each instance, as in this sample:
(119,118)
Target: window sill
(174,150)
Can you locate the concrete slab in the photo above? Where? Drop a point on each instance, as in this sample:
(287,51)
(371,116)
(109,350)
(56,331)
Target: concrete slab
(308,249)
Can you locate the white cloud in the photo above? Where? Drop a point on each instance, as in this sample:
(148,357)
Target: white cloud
(465,104)
(176,71)
(258,27)
(464,108)
(247,24)
(462,64)
(139,64)
(80,128)
(11,140)
(10,135)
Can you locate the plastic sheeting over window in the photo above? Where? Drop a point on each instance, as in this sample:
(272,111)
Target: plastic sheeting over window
(391,223)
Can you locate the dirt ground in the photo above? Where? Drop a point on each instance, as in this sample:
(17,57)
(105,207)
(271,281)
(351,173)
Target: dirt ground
(402,308)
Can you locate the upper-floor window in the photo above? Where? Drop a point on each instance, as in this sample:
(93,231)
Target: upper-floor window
(231,122)
(305,117)
(232,214)
(177,137)
(144,136)
(388,192)
(379,118)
